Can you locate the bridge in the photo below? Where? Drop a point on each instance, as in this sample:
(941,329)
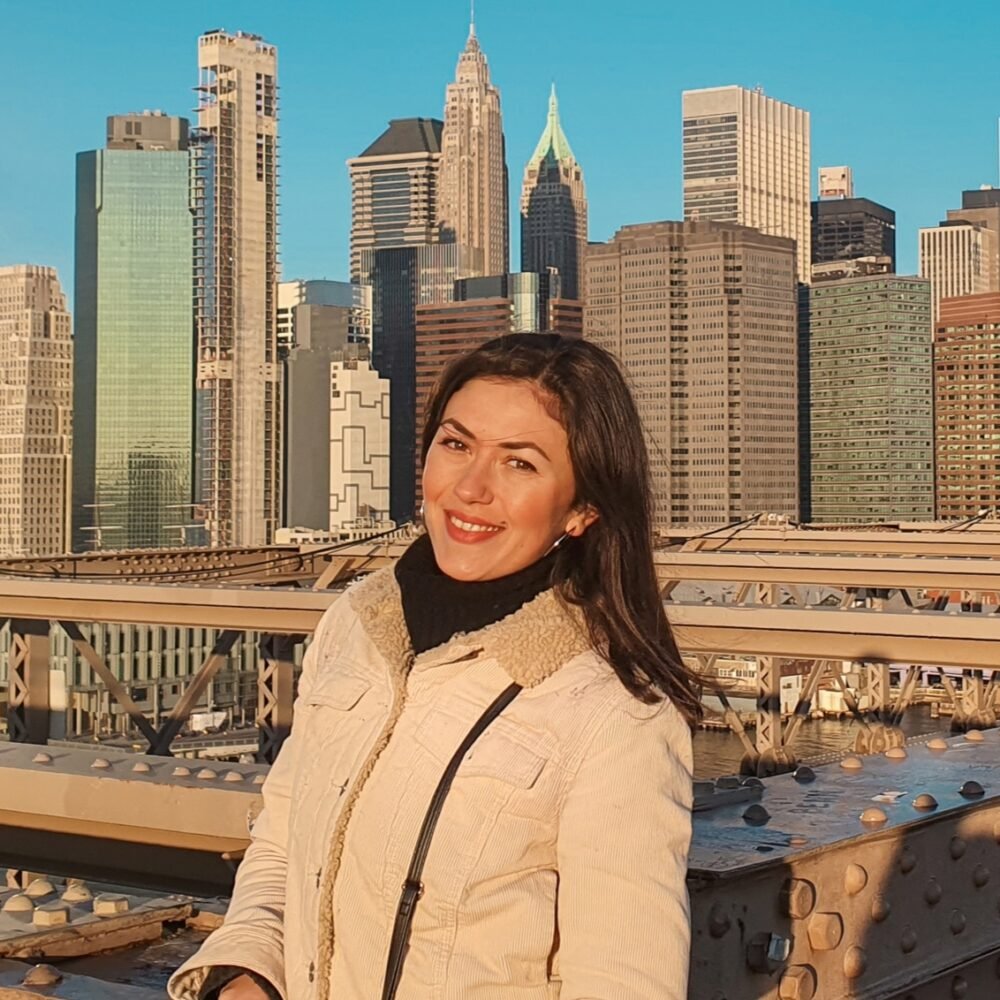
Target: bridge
(792,893)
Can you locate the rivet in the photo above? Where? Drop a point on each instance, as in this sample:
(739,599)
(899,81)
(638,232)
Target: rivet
(39,887)
(797,983)
(972,790)
(101,764)
(907,861)
(908,940)
(974,736)
(980,876)
(959,987)
(925,802)
(881,908)
(855,962)
(756,815)
(804,775)
(719,921)
(51,915)
(957,922)
(259,779)
(825,931)
(797,840)
(851,764)
(41,758)
(896,753)
(181,772)
(233,776)
(933,893)
(956,848)
(108,904)
(77,892)
(141,767)
(42,975)
(855,879)
(798,898)
(206,774)
(18,903)
(874,816)
(937,744)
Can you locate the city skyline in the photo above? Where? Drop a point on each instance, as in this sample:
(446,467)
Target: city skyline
(947,127)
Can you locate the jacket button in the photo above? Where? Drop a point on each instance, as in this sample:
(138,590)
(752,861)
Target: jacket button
(312,971)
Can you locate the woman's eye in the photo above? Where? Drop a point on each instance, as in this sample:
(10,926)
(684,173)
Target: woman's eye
(452,444)
(521,465)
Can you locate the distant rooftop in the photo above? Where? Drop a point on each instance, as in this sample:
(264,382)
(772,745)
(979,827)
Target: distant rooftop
(408,135)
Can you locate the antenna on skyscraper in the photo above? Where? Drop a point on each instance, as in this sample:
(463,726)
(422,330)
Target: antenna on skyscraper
(472,17)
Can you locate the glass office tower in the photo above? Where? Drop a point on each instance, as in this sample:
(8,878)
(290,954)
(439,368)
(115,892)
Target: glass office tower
(133,387)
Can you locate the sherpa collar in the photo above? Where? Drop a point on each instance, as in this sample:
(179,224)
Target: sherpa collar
(530,645)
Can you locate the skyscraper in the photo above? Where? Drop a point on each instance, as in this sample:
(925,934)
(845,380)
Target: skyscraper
(849,228)
(554,207)
(866,400)
(746,161)
(134,380)
(298,300)
(36,412)
(402,278)
(474,209)
(967,405)
(958,258)
(394,188)
(703,318)
(235,185)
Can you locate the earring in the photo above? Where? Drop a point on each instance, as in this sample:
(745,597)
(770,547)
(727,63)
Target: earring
(421,514)
(555,545)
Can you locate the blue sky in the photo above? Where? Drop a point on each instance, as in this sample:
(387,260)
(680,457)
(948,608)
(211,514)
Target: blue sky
(908,93)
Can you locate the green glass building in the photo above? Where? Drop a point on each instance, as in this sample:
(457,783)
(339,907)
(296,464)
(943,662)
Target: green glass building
(134,381)
(866,400)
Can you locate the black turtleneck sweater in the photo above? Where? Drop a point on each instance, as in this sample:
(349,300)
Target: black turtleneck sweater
(436,607)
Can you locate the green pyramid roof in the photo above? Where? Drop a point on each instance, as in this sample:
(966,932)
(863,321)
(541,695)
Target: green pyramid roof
(553,142)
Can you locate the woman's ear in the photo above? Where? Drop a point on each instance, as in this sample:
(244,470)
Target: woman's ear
(581,521)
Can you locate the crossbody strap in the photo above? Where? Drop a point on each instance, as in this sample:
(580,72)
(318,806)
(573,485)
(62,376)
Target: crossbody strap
(413,888)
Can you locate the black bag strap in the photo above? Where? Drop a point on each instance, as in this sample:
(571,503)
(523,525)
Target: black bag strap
(413,888)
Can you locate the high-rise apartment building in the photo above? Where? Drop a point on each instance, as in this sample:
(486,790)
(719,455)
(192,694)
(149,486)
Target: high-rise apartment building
(967,406)
(746,161)
(322,334)
(866,400)
(134,366)
(401,279)
(703,318)
(307,301)
(554,207)
(394,188)
(850,228)
(958,258)
(474,201)
(235,194)
(36,412)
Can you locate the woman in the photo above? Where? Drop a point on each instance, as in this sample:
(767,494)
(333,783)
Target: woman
(557,866)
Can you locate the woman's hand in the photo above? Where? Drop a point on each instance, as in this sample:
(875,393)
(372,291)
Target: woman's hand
(243,988)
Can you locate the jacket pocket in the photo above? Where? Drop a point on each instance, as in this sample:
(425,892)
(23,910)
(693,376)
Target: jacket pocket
(340,692)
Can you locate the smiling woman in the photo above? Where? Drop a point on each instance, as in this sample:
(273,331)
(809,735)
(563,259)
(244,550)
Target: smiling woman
(499,724)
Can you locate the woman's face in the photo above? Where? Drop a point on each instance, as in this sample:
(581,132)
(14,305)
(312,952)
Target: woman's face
(498,482)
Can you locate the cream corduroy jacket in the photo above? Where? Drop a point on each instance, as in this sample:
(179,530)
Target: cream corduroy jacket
(557,868)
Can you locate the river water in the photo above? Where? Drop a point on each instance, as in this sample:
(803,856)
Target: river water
(718,753)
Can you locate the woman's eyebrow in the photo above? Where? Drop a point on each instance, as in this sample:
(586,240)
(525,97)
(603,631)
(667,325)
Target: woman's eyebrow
(511,445)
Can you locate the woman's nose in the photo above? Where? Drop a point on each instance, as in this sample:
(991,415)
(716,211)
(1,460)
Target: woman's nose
(474,484)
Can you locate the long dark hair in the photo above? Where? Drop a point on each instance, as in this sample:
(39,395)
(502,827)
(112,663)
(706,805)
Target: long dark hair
(608,571)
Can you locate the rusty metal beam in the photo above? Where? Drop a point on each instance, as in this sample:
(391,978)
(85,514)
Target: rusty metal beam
(923,637)
(895,573)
